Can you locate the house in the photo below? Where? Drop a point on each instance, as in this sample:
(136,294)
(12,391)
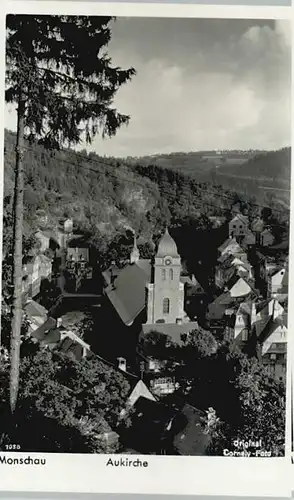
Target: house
(77,255)
(270,325)
(257,225)
(150,422)
(232,247)
(36,314)
(236,291)
(189,436)
(31,280)
(48,239)
(267,238)
(240,327)
(263,324)
(238,226)
(43,239)
(68,226)
(155,373)
(277,282)
(228,266)
(249,240)
(45,264)
(36,268)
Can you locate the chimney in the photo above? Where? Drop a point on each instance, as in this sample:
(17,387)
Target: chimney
(122,364)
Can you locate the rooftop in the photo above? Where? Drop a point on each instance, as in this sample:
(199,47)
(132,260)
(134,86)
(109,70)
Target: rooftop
(190,438)
(174,331)
(127,293)
(167,246)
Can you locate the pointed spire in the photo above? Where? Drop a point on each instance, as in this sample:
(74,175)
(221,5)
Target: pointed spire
(135,254)
(135,242)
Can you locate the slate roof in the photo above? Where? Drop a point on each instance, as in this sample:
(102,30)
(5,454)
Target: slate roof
(127,294)
(175,331)
(40,332)
(190,439)
(32,308)
(230,242)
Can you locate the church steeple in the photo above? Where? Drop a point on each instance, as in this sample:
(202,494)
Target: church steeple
(135,254)
(165,298)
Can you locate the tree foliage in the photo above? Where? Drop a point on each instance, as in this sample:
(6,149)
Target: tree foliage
(68,78)
(73,403)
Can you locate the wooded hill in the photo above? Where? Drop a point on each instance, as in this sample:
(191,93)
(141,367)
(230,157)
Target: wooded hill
(106,196)
(266,175)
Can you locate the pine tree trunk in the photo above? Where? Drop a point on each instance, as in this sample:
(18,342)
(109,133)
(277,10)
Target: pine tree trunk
(17,256)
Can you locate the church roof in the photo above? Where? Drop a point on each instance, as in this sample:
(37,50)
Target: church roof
(167,246)
(173,330)
(127,294)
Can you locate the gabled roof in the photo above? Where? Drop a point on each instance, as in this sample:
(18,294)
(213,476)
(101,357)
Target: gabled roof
(267,231)
(32,308)
(238,287)
(40,333)
(249,238)
(140,391)
(127,294)
(230,243)
(240,217)
(276,333)
(270,314)
(226,243)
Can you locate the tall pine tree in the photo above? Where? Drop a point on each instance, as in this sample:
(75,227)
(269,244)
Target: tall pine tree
(63,82)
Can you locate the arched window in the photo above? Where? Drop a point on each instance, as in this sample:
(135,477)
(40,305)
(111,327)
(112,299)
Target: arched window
(171,274)
(165,306)
(163,274)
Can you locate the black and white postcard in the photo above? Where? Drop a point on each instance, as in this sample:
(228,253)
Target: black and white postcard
(146,217)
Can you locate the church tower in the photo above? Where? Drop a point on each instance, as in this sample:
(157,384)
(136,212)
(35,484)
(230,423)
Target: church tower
(135,254)
(165,296)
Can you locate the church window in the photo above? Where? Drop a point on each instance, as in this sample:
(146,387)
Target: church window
(171,274)
(165,306)
(163,274)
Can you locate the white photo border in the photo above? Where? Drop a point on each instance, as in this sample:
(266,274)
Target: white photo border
(67,473)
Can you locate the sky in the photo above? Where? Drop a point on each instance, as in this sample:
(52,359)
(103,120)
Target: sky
(201,84)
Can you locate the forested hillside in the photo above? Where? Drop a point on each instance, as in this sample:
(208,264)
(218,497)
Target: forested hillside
(107,196)
(265,175)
